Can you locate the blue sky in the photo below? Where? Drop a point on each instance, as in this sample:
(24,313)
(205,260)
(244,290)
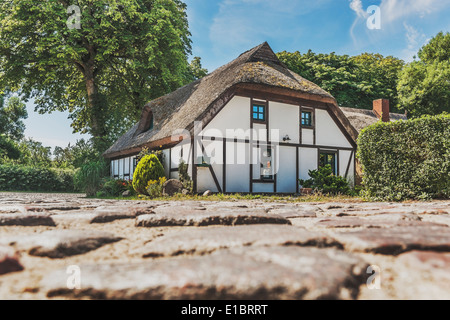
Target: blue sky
(223,29)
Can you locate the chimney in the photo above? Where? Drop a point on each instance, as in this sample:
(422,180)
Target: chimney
(381,109)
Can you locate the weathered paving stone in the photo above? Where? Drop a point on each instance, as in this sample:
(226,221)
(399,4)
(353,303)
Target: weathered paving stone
(109,214)
(27,220)
(396,240)
(12,209)
(426,273)
(207,240)
(290,213)
(58,244)
(182,216)
(9,260)
(382,222)
(261,273)
(46,208)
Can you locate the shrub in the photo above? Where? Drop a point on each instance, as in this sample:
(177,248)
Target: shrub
(148,169)
(21,178)
(184,177)
(113,188)
(155,187)
(89,177)
(325,181)
(406,159)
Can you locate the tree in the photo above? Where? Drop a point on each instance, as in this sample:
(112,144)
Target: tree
(424,86)
(34,154)
(125,53)
(354,81)
(11,116)
(9,150)
(196,71)
(82,152)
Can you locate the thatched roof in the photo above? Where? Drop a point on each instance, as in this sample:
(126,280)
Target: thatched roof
(181,108)
(361,118)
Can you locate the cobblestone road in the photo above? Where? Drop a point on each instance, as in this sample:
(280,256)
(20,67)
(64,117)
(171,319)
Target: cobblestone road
(62,246)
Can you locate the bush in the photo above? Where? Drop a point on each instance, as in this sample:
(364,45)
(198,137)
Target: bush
(89,177)
(148,169)
(325,181)
(406,159)
(155,187)
(20,178)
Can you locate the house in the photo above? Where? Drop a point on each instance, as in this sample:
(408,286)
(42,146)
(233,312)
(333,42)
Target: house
(251,126)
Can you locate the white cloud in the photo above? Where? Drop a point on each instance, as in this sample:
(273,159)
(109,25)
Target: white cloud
(356,5)
(394,10)
(415,39)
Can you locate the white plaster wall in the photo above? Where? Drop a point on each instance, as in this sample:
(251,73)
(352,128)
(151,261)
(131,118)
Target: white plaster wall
(205,181)
(235,116)
(286,119)
(287,170)
(308,161)
(344,157)
(308,136)
(263,187)
(166,163)
(260,132)
(214,150)
(238,175)
(120,164)
(327,131)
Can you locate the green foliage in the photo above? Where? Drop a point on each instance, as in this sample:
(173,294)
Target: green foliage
(90,176)
(74,156)
(21,178)
(424,87)
(155,188)
(406,159)
(323,180)
(437,49)
(158,153)
(126,53)
(11,115)
(8,149)
(184,177)
(196,71)
(114,188)
(148,169)
(354,81)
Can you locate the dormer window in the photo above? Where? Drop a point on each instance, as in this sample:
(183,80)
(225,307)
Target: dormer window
(146,122)
(306,119)
(259,113)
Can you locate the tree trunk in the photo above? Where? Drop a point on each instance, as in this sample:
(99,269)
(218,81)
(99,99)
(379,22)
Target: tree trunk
(97,105)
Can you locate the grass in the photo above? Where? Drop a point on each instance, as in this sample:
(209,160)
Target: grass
(238,197)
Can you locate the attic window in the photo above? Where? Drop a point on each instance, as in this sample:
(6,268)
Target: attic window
(306,119)
(259,113)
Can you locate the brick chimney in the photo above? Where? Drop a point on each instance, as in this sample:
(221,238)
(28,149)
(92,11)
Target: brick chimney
(381,109)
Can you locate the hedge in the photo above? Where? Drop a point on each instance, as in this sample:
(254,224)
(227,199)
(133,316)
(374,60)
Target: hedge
(148,169)
(406,159)
(20,178)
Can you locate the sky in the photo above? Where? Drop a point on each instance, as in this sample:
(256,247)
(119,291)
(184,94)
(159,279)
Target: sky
(223,29)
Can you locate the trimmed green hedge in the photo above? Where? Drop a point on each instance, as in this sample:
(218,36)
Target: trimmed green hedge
(148,169)
(406,159)
(20,178)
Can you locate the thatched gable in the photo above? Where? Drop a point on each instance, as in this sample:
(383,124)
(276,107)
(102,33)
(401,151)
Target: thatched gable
(193,102)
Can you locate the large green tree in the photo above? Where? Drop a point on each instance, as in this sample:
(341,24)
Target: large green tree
(354,81)
(424,85)
(102,70)
(11,115)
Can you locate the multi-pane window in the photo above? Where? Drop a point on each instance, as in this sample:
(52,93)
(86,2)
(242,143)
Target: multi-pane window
(306,119)
(267,172)
(259,113)
(328,158)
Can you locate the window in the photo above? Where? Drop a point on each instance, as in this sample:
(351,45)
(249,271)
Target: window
(266,164)
(306,118)
(328,158)
(259,113)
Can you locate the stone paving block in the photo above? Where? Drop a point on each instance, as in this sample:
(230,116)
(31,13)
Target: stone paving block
(9,260)
(261,273)
(11,209)
(109,214)
(52,207)
(183,216)
(291,213)
(425,274)
(381,222)
(26,220)
(207,240)
(58,244)
(396,240)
